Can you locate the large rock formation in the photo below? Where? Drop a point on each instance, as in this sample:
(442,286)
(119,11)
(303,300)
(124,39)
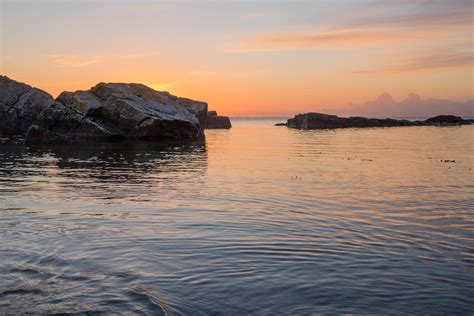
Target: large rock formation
(325,121)
(108,111)
(115,111)
(20,106)
(214,121)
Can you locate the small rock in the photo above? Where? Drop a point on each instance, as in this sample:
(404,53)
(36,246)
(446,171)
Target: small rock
(215,121)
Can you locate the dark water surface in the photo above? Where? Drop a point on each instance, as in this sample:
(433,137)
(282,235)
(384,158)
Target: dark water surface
(258,220)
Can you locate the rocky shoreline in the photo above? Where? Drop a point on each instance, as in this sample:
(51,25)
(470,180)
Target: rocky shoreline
(106,112)
(312,120)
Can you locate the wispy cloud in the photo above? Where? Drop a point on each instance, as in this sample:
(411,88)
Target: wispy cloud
(76,61)
(339,37)
(73,61)
(438,23)
(451,19)
(430,61)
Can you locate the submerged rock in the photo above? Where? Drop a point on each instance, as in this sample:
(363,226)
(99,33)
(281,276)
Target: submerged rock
(326,121)
(116,111)
(20,106)
(214,121)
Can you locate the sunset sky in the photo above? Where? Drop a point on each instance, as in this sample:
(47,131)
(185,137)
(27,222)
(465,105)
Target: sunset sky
(246,58)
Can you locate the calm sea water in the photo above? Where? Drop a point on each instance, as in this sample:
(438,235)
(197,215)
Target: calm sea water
(258,220)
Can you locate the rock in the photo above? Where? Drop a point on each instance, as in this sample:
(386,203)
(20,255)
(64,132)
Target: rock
(445,120)
(61,123)
(199,109)
(281,124)
(218,122)
(20,106)
(214,121)
(119,111)
(326,121)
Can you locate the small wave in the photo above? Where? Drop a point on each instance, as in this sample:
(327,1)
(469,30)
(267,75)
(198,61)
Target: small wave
(21,291)
(147,294)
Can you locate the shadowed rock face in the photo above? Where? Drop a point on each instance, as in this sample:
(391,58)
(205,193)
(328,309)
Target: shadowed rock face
(20,106)
(115,111)
(214,121)
(199,109)
(325,121)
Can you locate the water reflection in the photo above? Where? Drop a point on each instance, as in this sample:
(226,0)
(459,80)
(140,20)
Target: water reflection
(259,220)
(111,171)
(142,157)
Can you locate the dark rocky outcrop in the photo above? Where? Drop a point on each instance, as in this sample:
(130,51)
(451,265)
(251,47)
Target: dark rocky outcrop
(446,120)
(214,121)
(326,121)
(116,111)
(20,106)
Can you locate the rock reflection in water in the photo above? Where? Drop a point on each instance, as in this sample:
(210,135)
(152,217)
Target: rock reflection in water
(130,169)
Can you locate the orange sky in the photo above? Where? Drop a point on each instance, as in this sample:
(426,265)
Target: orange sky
(258,58)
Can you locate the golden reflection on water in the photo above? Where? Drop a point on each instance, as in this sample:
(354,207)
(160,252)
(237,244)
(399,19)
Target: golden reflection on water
(409,152)
(349,168)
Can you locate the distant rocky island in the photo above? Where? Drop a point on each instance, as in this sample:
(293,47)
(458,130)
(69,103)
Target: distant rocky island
(106,112)
(326,121)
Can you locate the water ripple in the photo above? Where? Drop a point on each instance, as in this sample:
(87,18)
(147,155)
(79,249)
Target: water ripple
(257,220)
